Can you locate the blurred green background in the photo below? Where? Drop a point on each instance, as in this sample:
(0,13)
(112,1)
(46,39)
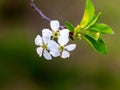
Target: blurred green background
(22,69)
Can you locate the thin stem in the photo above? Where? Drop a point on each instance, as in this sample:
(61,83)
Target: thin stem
(39,11)
(41,14)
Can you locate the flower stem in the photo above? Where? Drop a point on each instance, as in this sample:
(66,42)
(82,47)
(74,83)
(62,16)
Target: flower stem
(39,11)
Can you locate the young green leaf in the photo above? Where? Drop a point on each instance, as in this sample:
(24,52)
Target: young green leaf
(88,14)
(98,46)
(103,28)
(95,20)
(94,34)
(69,26)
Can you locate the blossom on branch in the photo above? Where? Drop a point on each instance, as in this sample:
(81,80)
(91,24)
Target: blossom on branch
(55,32)
(49,47)
(45,47)
(54,41)
(64,48)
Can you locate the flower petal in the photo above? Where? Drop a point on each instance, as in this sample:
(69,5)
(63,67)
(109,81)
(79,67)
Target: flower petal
(54,25)
(64,32)
(39,51)
(46,39)
(46,35)
(47,55)
(52,45)
(70,47)
(55,53)
(46,32)
(65,54)
(63,40)
(38,40)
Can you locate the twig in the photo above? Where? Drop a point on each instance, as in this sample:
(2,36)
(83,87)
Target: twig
(39,11)
(41,14)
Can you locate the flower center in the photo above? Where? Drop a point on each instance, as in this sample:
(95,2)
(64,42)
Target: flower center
(61,48)
(55,34)
(44,46)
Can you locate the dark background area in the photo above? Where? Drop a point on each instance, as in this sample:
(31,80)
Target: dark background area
(22,69)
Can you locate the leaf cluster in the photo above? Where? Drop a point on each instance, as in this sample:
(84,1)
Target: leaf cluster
(90,29)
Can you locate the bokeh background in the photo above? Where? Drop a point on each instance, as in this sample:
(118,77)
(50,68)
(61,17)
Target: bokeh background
(22,69)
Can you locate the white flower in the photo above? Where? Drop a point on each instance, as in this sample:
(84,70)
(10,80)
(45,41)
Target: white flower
(63,40)
(45,45)
(48,47)
(55,32)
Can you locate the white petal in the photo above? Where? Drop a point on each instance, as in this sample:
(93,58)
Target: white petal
(54,25)
(46,39)
(65,54)
(70,47)
(63,40)
(46,35)
(53,46)
(64,32)
(38,40)
(55,53)
(47,55)
(46,32)
(39,51)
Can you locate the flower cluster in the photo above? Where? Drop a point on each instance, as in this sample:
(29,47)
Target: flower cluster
(54,42)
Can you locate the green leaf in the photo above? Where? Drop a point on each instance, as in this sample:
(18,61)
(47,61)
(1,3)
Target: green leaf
(98,46)
(69,26)
(95,20)
(94,34)
(88,14)
(103,28)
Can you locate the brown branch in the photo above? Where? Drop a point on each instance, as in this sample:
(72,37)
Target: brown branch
(39,11)
(41,14)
